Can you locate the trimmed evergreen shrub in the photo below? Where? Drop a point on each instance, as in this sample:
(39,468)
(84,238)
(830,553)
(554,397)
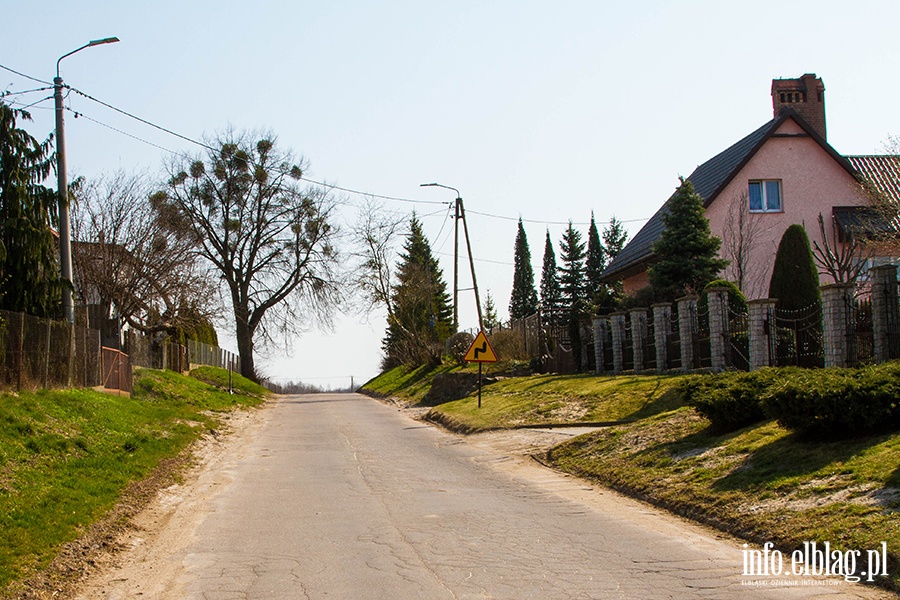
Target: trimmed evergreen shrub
(737,302)
(795,281)
(832,403)
(731,400)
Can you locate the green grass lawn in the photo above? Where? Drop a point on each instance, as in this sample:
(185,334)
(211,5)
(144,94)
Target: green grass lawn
(67,455)
(537,399)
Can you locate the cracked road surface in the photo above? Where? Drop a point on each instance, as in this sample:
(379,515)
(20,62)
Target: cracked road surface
(340,496)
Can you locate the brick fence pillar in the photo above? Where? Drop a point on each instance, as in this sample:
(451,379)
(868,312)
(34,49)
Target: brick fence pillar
(838,325)
(761,322)
(687,329)
(662,327)
(617,323)
(885,311)
(638,336)
(600,325)
(717,298)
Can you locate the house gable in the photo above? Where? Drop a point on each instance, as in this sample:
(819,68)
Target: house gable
(714,177)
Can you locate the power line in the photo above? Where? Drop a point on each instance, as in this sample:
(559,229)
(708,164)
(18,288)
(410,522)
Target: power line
(35,79)
(208,147)
(125,133)
(40,89)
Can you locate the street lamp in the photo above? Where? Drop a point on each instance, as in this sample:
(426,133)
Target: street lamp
(65,228)
(460,214)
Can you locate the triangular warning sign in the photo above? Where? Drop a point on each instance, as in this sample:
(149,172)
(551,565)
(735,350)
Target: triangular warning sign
(480,350)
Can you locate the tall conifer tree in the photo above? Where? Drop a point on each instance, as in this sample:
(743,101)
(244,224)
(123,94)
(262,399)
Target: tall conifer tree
(595,261)
(571,270)
(550,293)
(614,238)
(29,276)
(421,316)
(524,300)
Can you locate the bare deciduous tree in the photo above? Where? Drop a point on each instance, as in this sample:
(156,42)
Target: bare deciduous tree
(270,239)
(375,234)
(740,235)
(843,261)
(126,260)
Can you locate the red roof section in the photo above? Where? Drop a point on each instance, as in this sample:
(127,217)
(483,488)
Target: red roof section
(882,172)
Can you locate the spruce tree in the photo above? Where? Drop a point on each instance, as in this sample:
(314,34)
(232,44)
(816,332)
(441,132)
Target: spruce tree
(550,292)
(594,263)
(523,301)
(29,276)
(571,269)
(795,281)
(421,315)
(686,250)
(614,238)
(490,318)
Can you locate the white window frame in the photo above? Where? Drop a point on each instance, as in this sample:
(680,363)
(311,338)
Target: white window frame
(765,202)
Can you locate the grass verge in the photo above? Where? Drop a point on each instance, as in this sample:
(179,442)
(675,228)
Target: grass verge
(66,456)
(536,399)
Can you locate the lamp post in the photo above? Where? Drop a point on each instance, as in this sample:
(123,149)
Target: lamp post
(456,205)
(65,227)
(460,214)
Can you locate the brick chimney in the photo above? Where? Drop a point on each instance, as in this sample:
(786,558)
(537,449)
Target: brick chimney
(805,95)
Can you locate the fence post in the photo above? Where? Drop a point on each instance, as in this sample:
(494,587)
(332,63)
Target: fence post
(761,326)
(717,298)
(687,329)
(662,327)
(617,323)
(21,352)
(885,311)
(837,321)
(599,338)
(638,336)
(47,357)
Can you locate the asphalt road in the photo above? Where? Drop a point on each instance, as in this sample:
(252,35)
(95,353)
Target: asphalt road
(337,496)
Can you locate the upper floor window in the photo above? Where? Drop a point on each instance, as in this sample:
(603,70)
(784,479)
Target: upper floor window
(765,196)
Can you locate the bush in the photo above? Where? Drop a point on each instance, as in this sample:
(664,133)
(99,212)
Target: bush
(508,345)
(737,302)
(458,344)
(831,403)
(731,400)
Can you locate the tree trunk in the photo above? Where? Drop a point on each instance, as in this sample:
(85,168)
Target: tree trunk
(245,344)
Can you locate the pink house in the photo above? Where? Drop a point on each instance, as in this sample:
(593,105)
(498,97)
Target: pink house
(783,173)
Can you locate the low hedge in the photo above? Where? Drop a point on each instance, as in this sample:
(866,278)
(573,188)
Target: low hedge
(731,400)
(822,402)
(836,402)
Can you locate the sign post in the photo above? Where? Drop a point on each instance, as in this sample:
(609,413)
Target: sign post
(481,352)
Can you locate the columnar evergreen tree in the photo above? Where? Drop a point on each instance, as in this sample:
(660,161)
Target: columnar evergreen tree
(795,282)
(595,262)
(686,250)
(550,291)
(571,269)
(420,316)
(29,276)
(524,300)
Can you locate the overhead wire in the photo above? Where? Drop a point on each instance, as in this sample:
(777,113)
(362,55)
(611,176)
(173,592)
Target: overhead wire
(35,79)
(308,180)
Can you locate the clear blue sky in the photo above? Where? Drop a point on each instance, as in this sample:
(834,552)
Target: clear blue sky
(532,109)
